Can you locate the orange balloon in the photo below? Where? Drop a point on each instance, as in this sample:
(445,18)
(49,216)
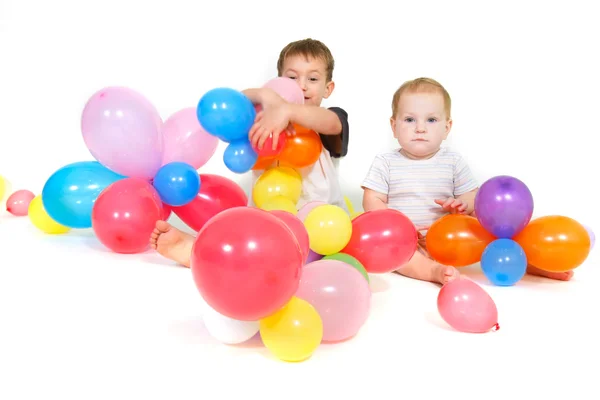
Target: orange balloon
(263,162)
(457,240)
(301,149)
(554,243)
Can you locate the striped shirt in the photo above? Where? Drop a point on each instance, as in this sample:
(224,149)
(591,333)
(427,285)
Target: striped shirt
(413,185)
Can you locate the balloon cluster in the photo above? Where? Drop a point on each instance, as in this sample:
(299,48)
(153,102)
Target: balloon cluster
(254,270)
(505,240)
(144,170)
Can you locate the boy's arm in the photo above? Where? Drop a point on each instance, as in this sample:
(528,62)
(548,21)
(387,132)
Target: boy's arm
(315,118)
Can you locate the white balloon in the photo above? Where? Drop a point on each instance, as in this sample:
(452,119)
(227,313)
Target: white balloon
(228,330)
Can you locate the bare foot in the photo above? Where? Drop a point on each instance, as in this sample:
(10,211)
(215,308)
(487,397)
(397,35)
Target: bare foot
(424,268)
(559,276)
(172,243)
(445,273)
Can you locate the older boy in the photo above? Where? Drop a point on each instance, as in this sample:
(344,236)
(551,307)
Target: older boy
(310,63)
(422,179)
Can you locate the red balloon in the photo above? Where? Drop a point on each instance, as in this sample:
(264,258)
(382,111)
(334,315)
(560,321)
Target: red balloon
(298,229)
(382,240)
(125,213)
(267,150)
(167,210)
(246,263)
(216,194)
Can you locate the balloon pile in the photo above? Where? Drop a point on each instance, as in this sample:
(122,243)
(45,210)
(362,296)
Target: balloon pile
(144,170)
(504,238)
(252,268)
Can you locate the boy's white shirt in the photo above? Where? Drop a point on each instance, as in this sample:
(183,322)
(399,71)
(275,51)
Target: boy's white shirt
(320,182)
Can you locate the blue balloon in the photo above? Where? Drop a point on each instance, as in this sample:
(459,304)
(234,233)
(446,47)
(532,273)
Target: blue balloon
(69,194)
(239,156)
(504,262)
(177,183)
(226,113)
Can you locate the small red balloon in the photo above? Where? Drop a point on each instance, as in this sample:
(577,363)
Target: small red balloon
(267,150)
(246,263)
(18,202)
(382,240)
(125,214)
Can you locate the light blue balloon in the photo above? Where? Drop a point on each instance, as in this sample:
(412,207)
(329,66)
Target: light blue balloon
(239,156)
(177,183)
(226,113)
(69,194)
(504,262)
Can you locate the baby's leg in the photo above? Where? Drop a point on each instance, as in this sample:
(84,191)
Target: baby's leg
(422,267)
(559,276)
(172,243)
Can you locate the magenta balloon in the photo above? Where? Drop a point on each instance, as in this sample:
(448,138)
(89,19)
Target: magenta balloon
(185,140)
(466,307)
(286,88)
(123,131)
(339,293)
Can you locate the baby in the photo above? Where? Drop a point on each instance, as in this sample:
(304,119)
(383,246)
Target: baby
(423,180)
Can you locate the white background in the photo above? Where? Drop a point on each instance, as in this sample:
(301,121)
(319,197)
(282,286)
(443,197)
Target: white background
(524,79)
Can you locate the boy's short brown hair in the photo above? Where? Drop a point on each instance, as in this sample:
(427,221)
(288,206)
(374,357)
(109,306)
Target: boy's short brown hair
(307,48)
(421,85)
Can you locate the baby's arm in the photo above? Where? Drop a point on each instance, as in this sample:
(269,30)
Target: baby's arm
(469,199)
(373,200)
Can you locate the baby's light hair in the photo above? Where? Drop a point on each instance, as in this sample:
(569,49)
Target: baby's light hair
(421,85)
(307,48)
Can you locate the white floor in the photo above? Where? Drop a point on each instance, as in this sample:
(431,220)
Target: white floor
(79,322)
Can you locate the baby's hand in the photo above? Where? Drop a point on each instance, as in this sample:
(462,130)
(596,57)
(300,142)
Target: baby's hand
(269,122)
(452,205)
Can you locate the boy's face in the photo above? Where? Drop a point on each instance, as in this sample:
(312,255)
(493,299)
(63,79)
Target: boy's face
(421,124)
(311,75)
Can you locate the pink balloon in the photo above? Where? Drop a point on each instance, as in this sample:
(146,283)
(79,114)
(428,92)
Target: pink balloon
(339,293)
(308,207)
(297,228)
(185,140)
(286,88)
(123,131)
(18,202)
(466,307)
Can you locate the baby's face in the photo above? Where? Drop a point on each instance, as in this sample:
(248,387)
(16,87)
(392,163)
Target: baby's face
(421,124)
(311,76)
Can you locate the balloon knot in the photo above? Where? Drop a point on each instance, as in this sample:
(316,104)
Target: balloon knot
(496,327)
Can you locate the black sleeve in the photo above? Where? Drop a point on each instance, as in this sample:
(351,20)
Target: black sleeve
(337,145)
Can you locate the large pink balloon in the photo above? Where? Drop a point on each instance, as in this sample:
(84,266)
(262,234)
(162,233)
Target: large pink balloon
(466,307)
(123,131)
(286,88)
(339,293)
(185,140)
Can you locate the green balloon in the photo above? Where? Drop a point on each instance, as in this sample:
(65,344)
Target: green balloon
(348,259)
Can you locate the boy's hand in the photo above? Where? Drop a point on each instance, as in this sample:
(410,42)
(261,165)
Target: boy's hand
(270,121)
(452,205)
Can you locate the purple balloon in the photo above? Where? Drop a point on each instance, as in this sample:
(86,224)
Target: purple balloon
(504,206)
(312,256)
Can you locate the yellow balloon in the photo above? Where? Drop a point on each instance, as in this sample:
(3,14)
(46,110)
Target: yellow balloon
(294,332)
(279,203)
(40,218)
(277,181)
(2,187)
(349,205)
(356,214)
(329,229)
